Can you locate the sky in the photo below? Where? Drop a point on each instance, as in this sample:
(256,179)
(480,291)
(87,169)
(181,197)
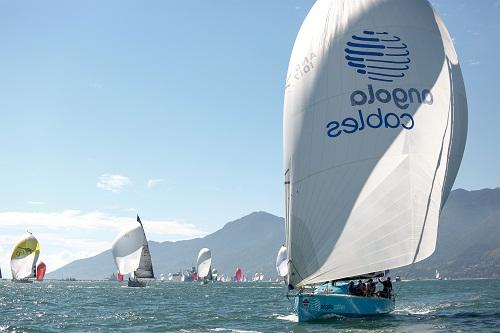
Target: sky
(172,110)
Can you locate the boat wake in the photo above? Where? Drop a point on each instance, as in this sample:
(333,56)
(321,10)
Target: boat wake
(231,330)
(290,317)
(422,309)
(414,311)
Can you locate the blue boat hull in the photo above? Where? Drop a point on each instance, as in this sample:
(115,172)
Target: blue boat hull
(314,306)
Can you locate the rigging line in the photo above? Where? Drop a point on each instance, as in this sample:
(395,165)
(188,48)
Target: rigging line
(291,301)
(400,283)
(295,268)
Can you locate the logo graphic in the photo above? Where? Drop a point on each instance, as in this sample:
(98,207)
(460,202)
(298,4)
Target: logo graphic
(305,303)
(380,56)
(314,305)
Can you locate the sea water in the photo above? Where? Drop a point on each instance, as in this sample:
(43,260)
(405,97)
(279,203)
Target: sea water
(60,306)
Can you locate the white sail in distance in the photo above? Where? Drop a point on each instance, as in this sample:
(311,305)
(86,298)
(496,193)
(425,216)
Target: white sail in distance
(204,262)
(282,262)
(127,249)
(24,257)
(375,124)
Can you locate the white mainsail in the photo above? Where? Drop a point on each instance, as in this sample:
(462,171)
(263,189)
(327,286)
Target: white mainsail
(375,124)
(204,262)
(145,269)
(282,262)
(24,257)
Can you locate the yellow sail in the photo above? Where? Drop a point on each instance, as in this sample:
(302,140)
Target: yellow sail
(24,257)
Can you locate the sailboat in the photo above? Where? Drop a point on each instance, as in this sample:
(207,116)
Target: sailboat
(131,253)
(438,276)
(375,124)
(40,271)
(238,276)
(23,259)
(214,275)
(282,262)
(204,265)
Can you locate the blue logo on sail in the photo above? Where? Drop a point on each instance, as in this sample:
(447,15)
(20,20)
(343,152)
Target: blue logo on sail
(378,55)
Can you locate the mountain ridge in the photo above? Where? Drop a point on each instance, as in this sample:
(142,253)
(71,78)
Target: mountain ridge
(467,245)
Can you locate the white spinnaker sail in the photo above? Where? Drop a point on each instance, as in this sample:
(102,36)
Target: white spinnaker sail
(127,249)
(204,262)
(282,262)
(24,257)
(375,124)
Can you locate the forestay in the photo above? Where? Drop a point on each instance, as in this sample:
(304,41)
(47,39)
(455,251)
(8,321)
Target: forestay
(375,123)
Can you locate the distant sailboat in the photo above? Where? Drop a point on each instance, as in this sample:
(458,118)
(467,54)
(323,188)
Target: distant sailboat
(214,275)
(24,257)
(40,271)
(204,264)
(239,275)
(131,254)
(282,262)
(438,276)
(375,124)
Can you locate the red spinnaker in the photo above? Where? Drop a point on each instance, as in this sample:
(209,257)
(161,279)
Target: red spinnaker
(40,271)
(119,277)
(238,275)
(195,276)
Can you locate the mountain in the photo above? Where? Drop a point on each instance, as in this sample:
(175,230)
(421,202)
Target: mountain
(250,242)
(468,238)
(468,244)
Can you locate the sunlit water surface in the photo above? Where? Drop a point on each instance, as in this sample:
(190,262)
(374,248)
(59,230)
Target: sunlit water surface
(58,306)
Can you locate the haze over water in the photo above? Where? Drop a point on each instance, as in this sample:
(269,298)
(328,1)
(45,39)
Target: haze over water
(422,306)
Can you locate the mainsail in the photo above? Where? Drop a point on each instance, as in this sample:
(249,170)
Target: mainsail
(204,262)
(24,257)
(145,269)
(375,124)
